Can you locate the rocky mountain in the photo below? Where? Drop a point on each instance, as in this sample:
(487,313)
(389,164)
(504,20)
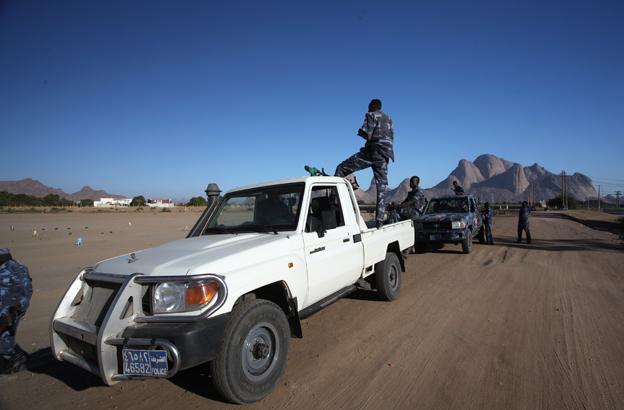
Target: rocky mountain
(466,172)
(33,187)
(491,178)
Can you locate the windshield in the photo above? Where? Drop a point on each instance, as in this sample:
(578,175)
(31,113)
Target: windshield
(447,205)
(266,209)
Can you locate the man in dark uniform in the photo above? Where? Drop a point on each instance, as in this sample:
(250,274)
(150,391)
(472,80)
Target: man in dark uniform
(15,293)
(457,188)
(487,223)
(376,153)
(414,205)
(523,222)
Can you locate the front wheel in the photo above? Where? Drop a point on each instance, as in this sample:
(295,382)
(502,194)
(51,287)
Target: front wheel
(388,277)
(253,352)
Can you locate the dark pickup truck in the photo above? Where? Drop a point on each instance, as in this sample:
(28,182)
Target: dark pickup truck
(452,219)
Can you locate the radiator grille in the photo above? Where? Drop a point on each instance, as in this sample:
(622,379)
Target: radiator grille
(96,301)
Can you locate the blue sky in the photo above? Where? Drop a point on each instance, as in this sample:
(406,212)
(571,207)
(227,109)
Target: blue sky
(159,98)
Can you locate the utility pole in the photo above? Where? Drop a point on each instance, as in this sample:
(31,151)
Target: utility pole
(565,184)
(564,191)
(617,196)
(562,188)
(598,198)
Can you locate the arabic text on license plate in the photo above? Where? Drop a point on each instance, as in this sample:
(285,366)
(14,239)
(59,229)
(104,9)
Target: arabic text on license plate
(145,362)
(434,237)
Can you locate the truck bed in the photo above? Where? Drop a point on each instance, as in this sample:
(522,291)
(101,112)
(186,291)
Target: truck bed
(376,240)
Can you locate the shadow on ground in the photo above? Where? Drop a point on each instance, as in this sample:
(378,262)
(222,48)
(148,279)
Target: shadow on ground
(615,227)
(560,245)
(196,380)
(42,362)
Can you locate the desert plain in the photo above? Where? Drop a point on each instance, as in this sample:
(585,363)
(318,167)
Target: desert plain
(509,326)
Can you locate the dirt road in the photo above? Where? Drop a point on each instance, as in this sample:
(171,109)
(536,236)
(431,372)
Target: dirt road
(508,326)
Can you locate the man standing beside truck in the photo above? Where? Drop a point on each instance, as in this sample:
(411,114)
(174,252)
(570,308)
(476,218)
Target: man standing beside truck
(15,293)
(376,153)
(523,222)
(487,224)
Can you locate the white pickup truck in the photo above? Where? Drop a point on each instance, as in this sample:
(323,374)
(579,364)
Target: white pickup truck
(233,292)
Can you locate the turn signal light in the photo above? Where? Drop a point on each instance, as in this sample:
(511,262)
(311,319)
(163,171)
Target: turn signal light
(201,294)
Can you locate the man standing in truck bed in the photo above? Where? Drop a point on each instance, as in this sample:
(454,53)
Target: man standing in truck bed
(376,153)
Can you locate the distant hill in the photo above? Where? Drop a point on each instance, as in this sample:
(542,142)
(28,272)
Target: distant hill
(33,187)
(492,178)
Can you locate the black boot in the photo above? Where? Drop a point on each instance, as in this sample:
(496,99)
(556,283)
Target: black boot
(15,362)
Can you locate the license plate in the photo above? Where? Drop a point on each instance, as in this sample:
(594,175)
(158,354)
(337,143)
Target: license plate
(149,363)
(435,237)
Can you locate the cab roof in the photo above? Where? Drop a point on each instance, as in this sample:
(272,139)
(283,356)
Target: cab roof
(304,179)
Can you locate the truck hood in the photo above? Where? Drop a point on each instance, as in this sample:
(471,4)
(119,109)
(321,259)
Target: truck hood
(196,255)
(441,217)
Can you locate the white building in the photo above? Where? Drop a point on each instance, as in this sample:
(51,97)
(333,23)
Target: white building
(112,202)
(160,203)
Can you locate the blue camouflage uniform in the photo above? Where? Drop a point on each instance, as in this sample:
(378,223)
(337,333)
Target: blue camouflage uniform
(15,293)
(487,225)
(376,153)
(414,204)
(523,223)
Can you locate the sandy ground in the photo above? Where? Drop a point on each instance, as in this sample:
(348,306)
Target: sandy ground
(508,326)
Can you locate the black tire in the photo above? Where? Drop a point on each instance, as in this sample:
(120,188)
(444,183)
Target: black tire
(253,352)
(388,277)
(482,235)
(467,242)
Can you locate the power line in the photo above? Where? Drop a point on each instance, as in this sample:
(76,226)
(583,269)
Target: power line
(606,179)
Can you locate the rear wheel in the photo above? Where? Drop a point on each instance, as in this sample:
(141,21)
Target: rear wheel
(467,242)
(388,277)
(253,352)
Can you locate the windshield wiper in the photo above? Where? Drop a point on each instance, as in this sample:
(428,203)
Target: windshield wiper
(260,228)
(220,229)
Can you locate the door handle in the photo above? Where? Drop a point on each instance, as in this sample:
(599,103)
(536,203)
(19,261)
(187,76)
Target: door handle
(322,248)
(346,240)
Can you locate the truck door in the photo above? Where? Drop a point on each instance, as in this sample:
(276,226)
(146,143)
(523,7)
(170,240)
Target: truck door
(334,259)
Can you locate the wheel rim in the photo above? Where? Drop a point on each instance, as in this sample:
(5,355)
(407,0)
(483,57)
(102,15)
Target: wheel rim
(260,351)
(393,277)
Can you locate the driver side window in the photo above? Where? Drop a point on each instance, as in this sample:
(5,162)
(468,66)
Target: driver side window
(325,210)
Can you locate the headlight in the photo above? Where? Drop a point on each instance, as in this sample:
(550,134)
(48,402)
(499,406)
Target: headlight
(173,297)
(169,297)
(458,224)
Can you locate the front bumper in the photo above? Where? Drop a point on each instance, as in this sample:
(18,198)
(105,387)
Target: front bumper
(441,236)
(197,342)
(92,333)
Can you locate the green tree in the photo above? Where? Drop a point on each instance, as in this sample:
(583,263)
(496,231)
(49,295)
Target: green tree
(557,202)
(196,201)
(52,200)
(5,198)
(138,201)
(86,202)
